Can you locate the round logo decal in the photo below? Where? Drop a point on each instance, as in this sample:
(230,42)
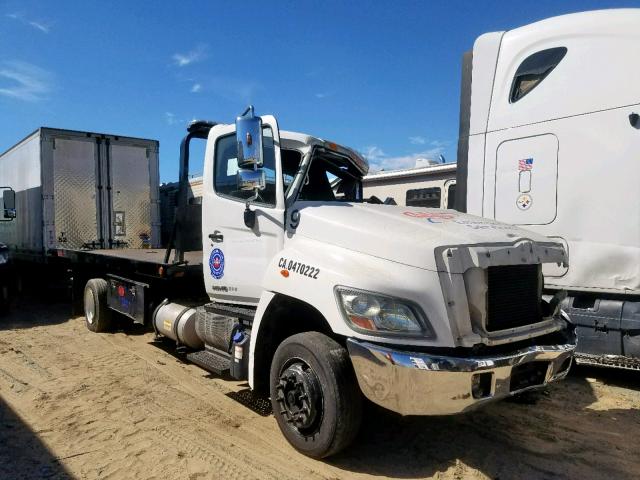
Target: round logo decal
(524,201)
(216,263)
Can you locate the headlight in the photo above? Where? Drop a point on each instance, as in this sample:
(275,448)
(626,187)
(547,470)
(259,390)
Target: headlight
(375,313)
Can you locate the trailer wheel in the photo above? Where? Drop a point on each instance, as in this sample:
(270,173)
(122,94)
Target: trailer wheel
(96,313)
(314,394)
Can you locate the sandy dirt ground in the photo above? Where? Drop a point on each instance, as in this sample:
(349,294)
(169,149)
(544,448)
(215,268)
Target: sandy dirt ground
(79,405)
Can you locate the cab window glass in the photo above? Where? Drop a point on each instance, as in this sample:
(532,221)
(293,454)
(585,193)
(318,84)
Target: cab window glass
(330,179)
(533,70)
(424,197)
(451,196)
(226,169)
(291,160)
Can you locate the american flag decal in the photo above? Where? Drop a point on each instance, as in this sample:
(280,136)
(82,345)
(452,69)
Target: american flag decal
(525,164)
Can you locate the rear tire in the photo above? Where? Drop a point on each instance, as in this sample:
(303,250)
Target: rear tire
(315,395)
(97,315)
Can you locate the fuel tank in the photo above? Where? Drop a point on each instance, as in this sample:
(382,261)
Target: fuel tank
(178,322)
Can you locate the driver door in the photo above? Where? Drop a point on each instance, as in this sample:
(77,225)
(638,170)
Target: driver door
(235,256)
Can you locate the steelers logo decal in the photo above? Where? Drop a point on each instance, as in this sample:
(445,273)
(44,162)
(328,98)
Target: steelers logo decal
(524,201)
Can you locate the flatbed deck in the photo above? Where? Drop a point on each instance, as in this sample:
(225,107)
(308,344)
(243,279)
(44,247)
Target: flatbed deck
(134,262)
(148,255)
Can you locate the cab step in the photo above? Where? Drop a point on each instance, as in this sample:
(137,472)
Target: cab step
(212,361)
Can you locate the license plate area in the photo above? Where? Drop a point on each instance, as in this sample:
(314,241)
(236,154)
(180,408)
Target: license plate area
(528,375)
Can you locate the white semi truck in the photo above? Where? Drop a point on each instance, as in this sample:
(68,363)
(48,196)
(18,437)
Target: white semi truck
(550,140)
(319,297)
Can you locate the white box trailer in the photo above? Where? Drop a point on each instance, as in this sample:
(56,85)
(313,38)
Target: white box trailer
(549,140)
(78,190)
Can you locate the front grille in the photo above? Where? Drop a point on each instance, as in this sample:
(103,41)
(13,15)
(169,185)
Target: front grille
(513,298)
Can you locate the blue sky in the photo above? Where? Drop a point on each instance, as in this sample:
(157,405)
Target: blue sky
(381,77)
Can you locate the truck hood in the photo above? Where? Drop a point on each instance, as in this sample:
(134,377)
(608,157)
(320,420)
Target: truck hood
(408,235)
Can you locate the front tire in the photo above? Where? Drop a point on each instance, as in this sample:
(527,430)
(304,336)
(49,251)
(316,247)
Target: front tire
(315,395)
(97,315)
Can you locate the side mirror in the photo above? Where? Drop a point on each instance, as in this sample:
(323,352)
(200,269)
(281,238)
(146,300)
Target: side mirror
(9,204)
(249,138)
(251,180)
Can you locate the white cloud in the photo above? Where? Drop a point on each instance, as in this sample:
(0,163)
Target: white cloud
(373,153)
(184,59)
(38,25)
(196,88)
(321,95)
(378,160)
(170,118)
(417,140)
(233,88)
(24,81)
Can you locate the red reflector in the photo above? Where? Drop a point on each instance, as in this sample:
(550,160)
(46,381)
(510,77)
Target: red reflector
(121,291)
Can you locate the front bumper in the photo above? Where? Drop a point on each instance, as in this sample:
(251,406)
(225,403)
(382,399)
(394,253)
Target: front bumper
(425,384)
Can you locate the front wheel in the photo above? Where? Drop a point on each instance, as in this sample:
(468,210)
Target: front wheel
(315,395)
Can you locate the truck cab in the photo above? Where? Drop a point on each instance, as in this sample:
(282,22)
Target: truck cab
(390,287)
(320,297)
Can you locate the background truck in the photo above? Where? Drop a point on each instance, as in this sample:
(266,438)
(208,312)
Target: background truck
(549,140)
(80,190)
(317,297)
(7,214)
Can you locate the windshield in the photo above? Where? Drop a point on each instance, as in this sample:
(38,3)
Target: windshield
(331,178)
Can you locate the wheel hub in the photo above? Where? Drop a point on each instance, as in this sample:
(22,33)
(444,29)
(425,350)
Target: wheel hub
(299,396)
(89,305)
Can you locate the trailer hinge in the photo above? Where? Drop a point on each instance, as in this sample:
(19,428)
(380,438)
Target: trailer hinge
(53,143)
(147,152)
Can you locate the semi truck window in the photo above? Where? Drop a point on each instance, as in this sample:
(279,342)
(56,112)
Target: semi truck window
(226,168)
(424,197)
(533,70)
(451,196)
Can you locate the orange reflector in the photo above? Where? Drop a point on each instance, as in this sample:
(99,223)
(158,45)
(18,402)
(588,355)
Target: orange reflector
(362,322)
(284,273)
(332,146)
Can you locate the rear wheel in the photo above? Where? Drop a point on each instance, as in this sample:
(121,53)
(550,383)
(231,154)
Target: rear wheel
(97,315)
(314,394)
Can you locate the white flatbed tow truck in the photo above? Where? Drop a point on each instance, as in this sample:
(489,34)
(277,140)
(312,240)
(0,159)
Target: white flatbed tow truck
(317,296)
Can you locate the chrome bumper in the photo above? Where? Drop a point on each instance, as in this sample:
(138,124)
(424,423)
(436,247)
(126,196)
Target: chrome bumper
(425,384)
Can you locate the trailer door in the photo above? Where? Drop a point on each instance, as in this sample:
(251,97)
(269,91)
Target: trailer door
(128,195)
(76,194)
(526,179)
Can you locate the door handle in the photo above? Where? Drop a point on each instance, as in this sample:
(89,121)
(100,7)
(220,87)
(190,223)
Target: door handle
(216,237)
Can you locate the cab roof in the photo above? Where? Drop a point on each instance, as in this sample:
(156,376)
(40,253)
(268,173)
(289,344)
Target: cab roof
(301,140)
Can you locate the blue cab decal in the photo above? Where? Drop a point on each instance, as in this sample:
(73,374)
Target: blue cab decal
(216,263)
